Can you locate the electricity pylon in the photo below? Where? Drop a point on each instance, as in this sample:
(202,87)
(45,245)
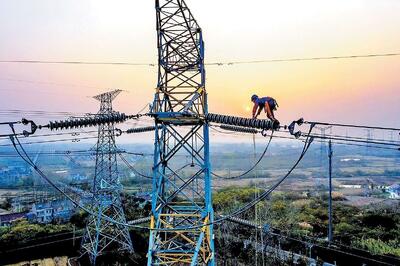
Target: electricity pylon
(100,233)
(370,136)
(323,147)
(182,213)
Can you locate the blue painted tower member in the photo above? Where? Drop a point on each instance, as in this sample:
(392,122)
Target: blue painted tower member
(182,213)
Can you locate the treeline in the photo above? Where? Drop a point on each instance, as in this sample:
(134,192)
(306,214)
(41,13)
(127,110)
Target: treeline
(375,229)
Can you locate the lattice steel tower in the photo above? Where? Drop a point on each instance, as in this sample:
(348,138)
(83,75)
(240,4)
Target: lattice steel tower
(180,199)
(101,234)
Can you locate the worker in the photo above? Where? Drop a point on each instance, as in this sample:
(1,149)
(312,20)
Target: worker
(268,103)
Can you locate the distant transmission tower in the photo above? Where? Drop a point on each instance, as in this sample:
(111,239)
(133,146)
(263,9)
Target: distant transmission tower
(391,136)
(370,136)
(323,153)
(323,147)
(101,234)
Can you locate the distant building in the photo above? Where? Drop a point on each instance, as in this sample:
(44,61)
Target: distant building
(3,211)
(41,213)
(8,180)
(11,174)
(394,191)
(8,177)
(25,200)
(146,196)
(350,186)
(56,210)
(8,219)
(350,160)
(78,179)
(86,200)
(17,205)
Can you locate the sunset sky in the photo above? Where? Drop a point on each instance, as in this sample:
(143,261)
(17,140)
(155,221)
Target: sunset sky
(358,90)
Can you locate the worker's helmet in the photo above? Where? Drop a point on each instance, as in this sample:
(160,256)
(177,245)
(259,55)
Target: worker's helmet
(254,97)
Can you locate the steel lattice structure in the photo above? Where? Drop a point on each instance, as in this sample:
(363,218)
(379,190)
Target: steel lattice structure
(100,233)
(180,199)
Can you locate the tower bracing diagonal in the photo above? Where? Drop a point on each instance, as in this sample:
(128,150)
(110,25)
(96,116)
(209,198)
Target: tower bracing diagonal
(182,213)
(102,234)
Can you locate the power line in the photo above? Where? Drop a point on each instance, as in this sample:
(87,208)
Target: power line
(335,250)
(132,168)
(43,244)
(39,112)
(359,138)
(51,141)
(241,210)
(76,62)
(63,134)
(249,205)
(277,60)
(78,133)
(359,145)
(221,63)
(337,139)
(356,140)
(351,125)
(48,83)
(251,168)
(29,161)
(308,243)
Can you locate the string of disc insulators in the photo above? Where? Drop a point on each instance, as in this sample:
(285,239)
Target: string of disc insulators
(241,121)
(88,121)
(239,129)
(141,129)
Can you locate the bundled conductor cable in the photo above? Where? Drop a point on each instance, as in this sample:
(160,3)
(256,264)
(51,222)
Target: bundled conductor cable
(239,129)
(141,129)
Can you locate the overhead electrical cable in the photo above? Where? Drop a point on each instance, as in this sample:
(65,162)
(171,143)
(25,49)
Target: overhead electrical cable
(336,139)
(52,141)
(297,59)
(262,196)
(39,112)
(217,63)
(254,166)
(357,145)
(76,62)
(259,198)
(357,140)
(270,190)
(336,250)
(132,168)
(351,125)
(29,161)
(78,133)
(48,83)
(265,194)
(315,243)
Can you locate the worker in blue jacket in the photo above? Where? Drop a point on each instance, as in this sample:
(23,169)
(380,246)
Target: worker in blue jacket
(267,103)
